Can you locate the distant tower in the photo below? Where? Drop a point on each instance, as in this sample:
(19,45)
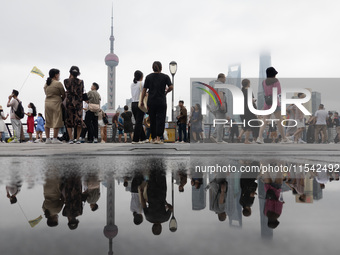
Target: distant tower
(265,62)
(111,60)
(110,230)
(233,78)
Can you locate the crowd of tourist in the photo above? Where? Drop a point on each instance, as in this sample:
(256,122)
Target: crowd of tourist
(76,116)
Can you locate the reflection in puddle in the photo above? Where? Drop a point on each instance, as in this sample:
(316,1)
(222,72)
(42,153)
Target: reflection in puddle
(141,203)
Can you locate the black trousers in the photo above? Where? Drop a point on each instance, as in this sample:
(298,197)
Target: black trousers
(138,114)
(91,122)
(157,115)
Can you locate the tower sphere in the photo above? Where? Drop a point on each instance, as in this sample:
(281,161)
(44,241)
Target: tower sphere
(111,59)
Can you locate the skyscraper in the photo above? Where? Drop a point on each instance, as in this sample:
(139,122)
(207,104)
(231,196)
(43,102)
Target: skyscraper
(111,60)
(233,78)
(265,62)
(316,101)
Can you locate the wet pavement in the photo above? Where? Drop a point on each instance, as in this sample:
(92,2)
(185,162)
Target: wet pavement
(292,212)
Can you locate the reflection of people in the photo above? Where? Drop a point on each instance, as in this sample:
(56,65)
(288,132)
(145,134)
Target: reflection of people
(72,192)
(135,205)
(181,179)
(158,210)
(13,187)
(54,201)
(92,191)
(273,205)
(248,192)
(12,190)
(218,194)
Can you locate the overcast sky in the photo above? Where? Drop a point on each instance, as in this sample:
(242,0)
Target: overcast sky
(203,37)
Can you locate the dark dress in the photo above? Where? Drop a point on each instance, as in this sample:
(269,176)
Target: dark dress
(156,211)
(128,126)
(72,192)
(74,102)
(196,126)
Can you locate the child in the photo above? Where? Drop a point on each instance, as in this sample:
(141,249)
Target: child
(40,128)
(32,112)
(2,123)
(147,127)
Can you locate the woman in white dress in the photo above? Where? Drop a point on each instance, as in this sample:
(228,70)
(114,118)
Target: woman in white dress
(2,123)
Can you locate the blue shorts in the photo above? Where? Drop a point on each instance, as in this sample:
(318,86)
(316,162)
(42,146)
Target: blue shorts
(120,132)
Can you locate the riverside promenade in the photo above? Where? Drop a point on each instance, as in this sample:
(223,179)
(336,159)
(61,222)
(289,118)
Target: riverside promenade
(327,153)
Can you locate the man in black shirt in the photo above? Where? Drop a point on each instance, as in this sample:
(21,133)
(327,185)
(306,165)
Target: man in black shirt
(157,210)
(158,85)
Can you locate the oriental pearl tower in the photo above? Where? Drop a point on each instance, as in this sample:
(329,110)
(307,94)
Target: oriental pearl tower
(111,60)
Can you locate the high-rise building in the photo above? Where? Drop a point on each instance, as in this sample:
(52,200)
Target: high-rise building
(233,78)
(316,101)
(265,62)
(111,60)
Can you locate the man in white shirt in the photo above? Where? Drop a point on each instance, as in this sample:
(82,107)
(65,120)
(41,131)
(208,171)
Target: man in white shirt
(321,124)
(13,102)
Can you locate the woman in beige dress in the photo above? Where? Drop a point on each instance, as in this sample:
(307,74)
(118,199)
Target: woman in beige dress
(55,94)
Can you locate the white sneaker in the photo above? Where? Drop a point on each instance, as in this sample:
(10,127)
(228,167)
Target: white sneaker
(177,142)
(214,139)
(30,141)
(286,141)
(70,142)
(95,140)
(300,141)
(290,138)
(147,141)
(222,142)
(37,141)
(78,142)
(260,140)
(133,142)
(56,141)
(141,142)
(182,142)
(48,141)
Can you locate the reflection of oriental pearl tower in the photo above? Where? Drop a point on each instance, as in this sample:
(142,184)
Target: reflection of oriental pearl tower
(111,60)
(111,229)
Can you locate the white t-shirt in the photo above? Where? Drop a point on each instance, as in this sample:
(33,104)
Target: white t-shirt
(30,110)
(135,205)
(321,117)
(85,106)
(136,88)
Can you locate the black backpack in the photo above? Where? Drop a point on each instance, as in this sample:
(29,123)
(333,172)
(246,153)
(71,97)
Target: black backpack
(20,112)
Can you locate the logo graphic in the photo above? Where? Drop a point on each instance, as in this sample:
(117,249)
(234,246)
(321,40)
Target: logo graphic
(209,93)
